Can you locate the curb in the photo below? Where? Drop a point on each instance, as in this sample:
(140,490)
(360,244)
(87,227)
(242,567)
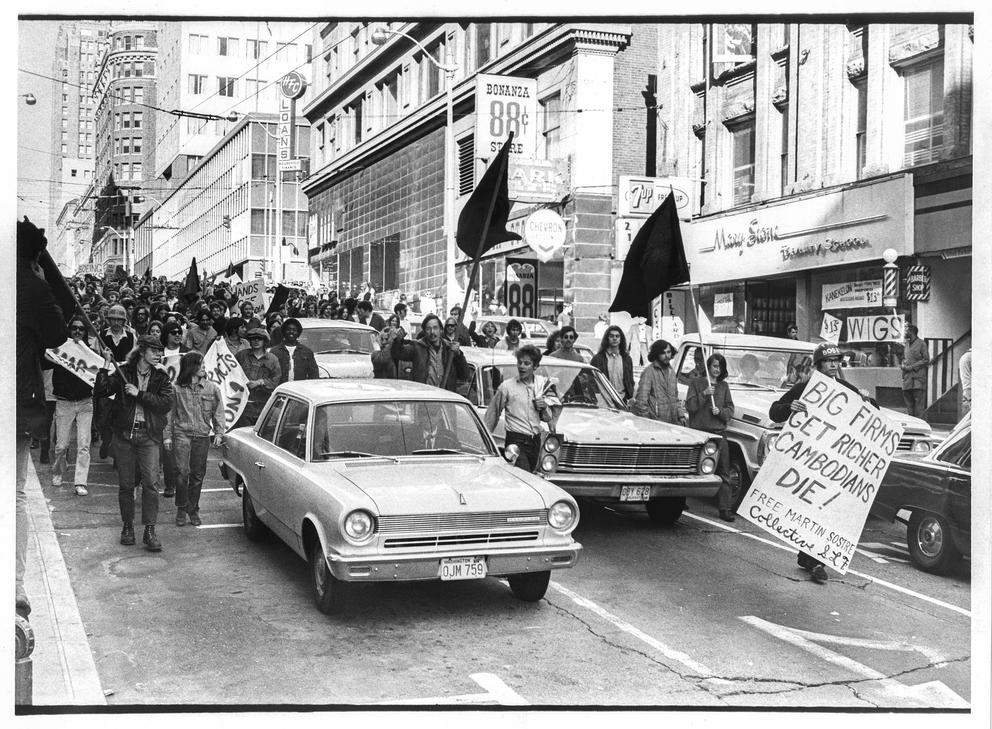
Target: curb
(64,672)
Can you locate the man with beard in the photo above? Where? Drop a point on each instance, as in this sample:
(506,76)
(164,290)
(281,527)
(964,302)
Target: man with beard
(432,356)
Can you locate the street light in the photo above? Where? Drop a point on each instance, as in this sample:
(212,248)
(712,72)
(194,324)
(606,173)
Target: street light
(127,244)
(379,37)
(29,99)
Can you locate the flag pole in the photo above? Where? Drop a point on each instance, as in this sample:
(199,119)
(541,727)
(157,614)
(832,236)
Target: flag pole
(699,333)
(49,265)
(478,258)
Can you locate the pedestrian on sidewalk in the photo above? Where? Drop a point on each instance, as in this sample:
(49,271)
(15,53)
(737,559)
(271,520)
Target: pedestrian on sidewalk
(527,400)
(263,372)
(826,359)
(916,358)
(73,405)
(142,399)
(197,406)
(710,408)
(657,394)
(40,325)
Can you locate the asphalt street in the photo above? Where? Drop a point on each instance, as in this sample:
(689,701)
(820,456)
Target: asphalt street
(702,614)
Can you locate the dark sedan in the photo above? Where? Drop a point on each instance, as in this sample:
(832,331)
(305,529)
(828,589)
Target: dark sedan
(936,491)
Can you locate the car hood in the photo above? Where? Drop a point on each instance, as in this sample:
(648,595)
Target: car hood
(443,485)
(752,406)
(341,366)
(588,425)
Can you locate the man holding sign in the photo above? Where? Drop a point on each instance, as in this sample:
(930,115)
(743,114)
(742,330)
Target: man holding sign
(823,470)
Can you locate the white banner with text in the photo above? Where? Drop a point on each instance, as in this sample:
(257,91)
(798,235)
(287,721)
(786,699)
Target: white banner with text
(79,359)
(224,371)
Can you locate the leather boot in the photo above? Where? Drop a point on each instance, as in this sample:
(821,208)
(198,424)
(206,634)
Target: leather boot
(127,534)
(152,544)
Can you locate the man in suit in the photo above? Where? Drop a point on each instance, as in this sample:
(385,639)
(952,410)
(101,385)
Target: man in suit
(296,360)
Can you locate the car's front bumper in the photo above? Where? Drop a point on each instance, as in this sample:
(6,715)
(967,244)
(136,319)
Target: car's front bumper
(420,566)
(603,486)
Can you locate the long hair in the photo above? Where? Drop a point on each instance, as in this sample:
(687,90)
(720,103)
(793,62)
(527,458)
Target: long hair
(657,347)
(189,365)
(86,333)
(134,355)
(717,357)
(605,343)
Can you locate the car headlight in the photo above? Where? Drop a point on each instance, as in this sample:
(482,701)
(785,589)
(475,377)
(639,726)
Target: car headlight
(549,463)
(707,465)
(359,526)
(511,453)
(562,515)
(552,443)
(711,447)
(920,445)
(765,445)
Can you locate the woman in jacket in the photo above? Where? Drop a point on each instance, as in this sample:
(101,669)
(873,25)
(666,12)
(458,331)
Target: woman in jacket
(657,391)
(615,362)
(196,407)
(710,408)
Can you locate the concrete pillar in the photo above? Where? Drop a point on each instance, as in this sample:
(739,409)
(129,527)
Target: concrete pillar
(885,124)
(958,90)
(766,118)
(592,130)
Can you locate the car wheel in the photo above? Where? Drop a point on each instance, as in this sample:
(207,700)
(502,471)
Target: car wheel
(530,586)
(666,511)
(255,530)
(930,544)
(738,477)
(328,590)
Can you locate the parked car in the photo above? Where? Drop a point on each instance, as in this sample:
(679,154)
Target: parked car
(387,480)
(760,369)
(536,329)
(600,450)
(342,348)
(936,492)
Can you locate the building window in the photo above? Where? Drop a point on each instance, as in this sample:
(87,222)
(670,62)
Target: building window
(356,115)
(551,132)
(135,170)
(139,41)
(225,86)
(227,46)
(255,48)
(126,145)
(137,115)
(126,118)
(309,52)
(924,113)
(860,134)
(466,164)
(128,42)
(389,102)
(783,166)
(139,94)
(320,131)
(743,137)
(136,145)
(483,44)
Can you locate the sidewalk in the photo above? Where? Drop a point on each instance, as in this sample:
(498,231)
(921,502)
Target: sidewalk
(62,665)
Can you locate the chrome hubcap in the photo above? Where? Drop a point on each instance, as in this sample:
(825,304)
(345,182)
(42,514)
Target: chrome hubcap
(930,537)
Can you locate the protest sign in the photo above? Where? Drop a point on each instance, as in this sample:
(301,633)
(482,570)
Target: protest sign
(831,328)
(171,365)
(79,359)
(224,371)
(252,291)
(822,473)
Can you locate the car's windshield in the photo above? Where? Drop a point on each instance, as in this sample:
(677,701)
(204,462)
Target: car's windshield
(397,428)
(763,368)
(336,341)
(576,386)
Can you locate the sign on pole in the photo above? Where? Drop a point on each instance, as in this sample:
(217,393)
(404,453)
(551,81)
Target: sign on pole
(544,232)
(505,104)
(79,359)
(224,371)
(822,473)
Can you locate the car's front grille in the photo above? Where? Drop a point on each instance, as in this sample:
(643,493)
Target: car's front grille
(906,442)
(484,520)
(643,459)
(434,541)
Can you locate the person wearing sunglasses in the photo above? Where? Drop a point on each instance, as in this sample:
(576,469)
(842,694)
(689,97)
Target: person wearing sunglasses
(567,336)
(73,404)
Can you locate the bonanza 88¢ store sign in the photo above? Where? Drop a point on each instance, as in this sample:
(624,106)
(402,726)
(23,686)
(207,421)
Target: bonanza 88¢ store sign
(822,473)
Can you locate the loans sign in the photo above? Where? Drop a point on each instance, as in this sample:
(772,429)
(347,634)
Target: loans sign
(79,359)
(224,371)
(822,473)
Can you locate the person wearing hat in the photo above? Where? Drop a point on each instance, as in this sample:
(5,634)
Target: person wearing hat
(826,359)
(143,397)
(120,340)
(263,372)
(296,361)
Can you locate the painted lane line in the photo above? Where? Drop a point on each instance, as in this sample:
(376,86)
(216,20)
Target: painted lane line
(217,526)
(927,694)
(619,623)
(876,580)
(496,692)
(871,555)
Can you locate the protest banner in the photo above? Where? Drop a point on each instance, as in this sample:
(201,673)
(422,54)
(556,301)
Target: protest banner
(822,473)
(252,291)
(79,359)
(224,371)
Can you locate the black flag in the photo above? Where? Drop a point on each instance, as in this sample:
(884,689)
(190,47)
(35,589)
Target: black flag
(655,262)
(230,270)
(493,185)
(148,275)
(191,288)
(280,297)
